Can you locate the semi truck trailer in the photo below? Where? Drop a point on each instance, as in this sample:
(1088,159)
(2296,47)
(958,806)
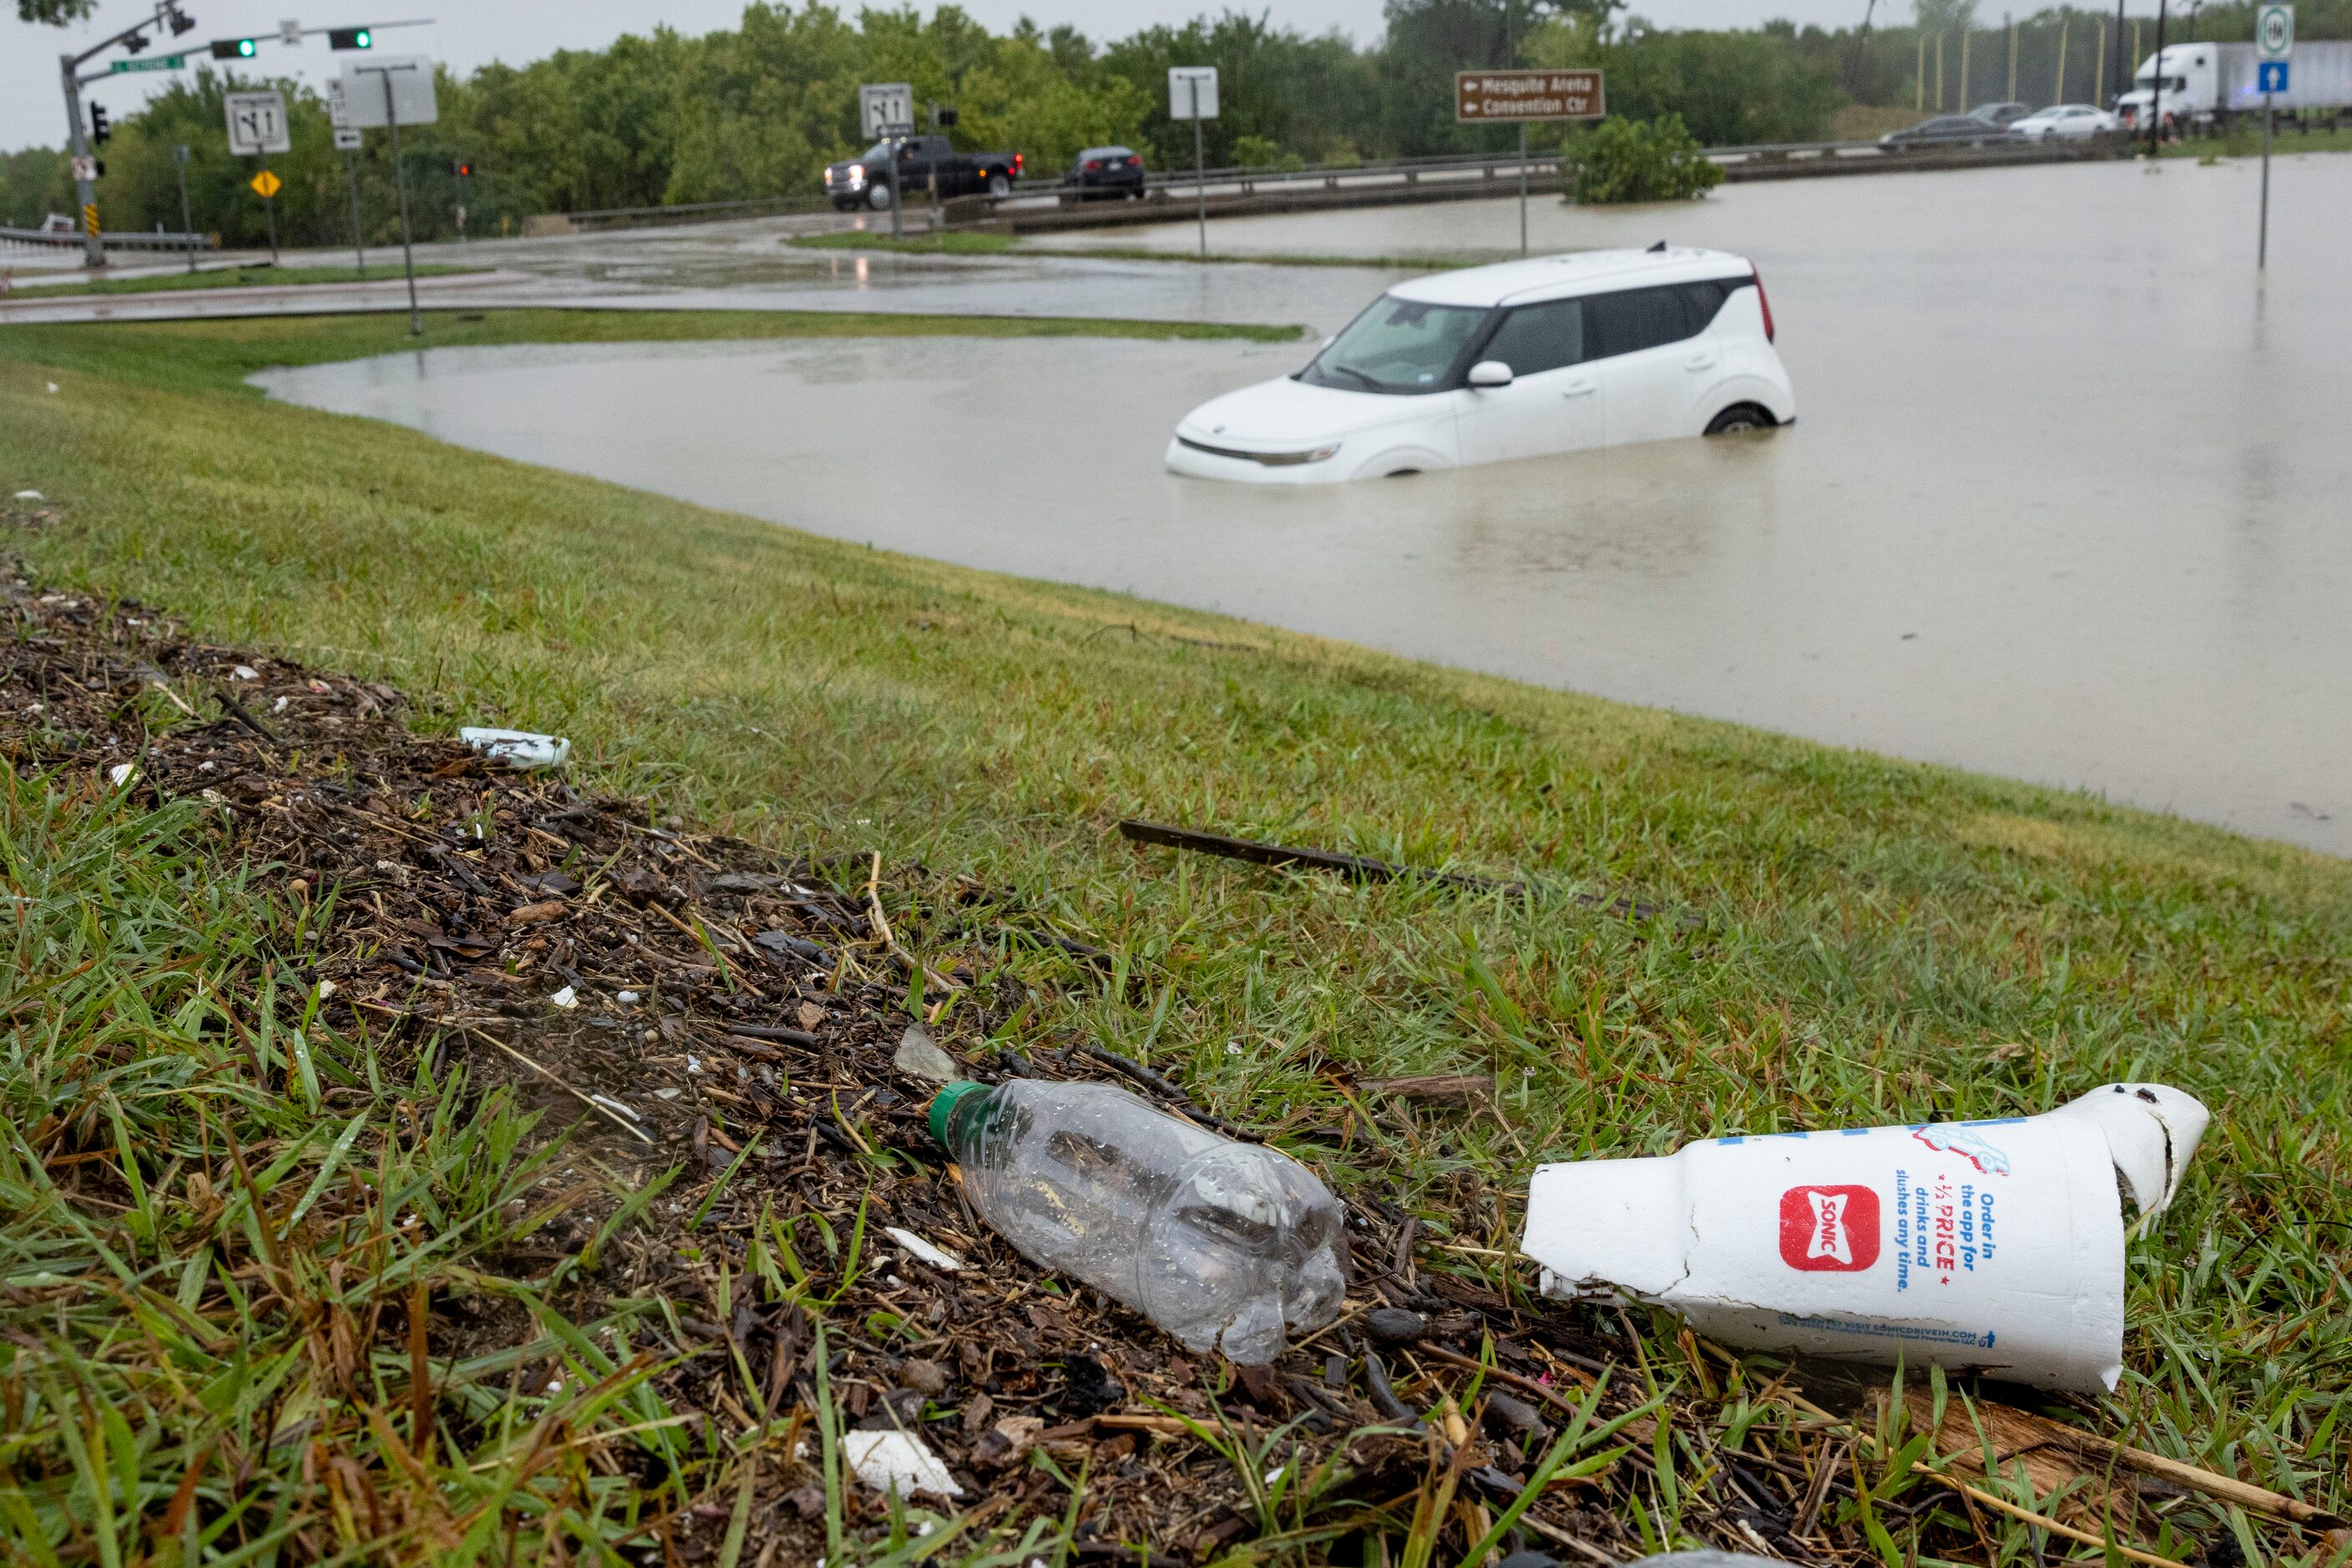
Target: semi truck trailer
(2213,85)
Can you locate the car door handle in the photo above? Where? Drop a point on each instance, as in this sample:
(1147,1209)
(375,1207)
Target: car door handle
(1699,361)
(1581,389)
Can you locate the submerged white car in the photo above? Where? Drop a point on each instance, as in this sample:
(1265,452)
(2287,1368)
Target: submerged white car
(1599,348)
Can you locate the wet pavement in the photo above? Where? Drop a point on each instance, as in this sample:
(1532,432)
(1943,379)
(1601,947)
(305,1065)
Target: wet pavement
(2067,501)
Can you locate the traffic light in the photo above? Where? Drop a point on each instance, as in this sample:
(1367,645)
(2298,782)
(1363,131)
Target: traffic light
(349,39)
(232,48)
(99,129)
(182,23)
(463,168)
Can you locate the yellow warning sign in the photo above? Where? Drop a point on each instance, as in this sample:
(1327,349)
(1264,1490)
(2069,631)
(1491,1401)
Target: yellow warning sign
(266,184)
(90,217)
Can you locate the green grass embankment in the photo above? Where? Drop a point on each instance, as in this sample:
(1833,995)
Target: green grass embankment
(1874,940)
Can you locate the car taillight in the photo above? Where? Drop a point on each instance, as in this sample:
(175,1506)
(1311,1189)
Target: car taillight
(1094,164)
(1016,162)
(1764,300)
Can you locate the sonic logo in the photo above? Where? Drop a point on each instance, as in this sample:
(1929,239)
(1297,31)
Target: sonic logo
(1950,1138)
(1832,1228)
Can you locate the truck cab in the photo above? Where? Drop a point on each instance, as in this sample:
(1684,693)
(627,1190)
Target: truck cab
(2180,83)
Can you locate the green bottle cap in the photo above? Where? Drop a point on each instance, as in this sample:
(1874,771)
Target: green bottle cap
(944,1104)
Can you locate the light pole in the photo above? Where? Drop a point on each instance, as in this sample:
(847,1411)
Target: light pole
(400,181)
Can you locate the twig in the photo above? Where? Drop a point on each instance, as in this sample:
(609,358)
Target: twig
(882,924)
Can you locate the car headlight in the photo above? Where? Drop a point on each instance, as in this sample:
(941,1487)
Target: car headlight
(857,174)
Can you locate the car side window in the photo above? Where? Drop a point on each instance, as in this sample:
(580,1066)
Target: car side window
(1533,338)
(1637,319)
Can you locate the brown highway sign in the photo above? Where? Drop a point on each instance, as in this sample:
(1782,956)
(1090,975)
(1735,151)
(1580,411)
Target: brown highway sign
(1520,95)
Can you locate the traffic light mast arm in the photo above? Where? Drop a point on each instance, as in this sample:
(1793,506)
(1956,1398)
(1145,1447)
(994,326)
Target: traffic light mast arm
(164,11)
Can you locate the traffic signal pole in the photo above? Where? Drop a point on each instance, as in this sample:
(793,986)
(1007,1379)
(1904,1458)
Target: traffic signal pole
(93,249)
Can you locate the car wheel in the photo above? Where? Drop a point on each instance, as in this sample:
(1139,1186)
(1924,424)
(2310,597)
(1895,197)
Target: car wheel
(1740,417)
(878,198)
(997,186)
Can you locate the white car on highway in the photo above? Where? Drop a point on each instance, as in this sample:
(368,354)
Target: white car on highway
(1598,348)
(2066,123)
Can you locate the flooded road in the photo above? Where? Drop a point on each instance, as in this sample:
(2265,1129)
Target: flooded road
(2068,500)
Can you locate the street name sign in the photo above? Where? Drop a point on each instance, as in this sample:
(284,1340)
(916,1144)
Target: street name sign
(887,108)
(160,63)
(1523,95)
(257,123)
(411,76)
(265,184)
(1191,93)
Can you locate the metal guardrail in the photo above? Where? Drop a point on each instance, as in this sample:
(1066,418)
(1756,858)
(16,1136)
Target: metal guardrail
(113,239)
(1487,165)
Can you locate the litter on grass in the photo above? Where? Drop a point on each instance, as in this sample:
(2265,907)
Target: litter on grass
(1221,1244)
(897,1462)
(1993,1246)
(520,749)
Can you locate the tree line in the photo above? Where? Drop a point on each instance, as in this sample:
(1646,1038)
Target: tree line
(756,111)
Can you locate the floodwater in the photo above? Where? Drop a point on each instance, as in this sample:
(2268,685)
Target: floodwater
(2068,500)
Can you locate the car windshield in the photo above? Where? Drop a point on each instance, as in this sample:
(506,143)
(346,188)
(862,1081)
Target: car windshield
(878,153)
(1400,346)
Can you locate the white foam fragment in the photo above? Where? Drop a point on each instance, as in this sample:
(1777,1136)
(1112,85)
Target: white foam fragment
(897,1462)
(946,1262)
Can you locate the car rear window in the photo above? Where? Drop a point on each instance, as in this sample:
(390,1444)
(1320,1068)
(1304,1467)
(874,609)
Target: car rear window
(1636,319)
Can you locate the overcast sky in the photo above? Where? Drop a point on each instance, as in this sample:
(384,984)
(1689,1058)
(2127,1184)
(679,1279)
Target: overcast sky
(32,107)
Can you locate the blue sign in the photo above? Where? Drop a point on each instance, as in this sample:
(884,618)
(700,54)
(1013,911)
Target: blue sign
(2270,76)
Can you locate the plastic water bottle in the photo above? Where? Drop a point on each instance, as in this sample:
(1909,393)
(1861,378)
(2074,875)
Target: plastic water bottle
(1221,1244)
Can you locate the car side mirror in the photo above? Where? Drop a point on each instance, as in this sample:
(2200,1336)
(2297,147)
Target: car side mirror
(1490,372)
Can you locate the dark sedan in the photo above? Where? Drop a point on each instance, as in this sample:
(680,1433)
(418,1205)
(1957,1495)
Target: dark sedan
(1950,131)
(1101,172)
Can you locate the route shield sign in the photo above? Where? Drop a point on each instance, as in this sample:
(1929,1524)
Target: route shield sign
(2270,76)
(266,184)
(2274,32)
(1505,95)
(257,123)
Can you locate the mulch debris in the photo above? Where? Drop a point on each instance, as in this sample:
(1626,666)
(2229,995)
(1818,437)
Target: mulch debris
(682,1000)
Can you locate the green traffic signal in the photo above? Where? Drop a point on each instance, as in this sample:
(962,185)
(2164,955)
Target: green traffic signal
(349,39)
(232,48)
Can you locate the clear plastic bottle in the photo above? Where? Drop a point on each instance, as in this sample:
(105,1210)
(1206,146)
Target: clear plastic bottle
(1221,1244)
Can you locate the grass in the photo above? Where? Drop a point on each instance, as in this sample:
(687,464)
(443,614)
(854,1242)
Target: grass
(2245,141)
(1877,940)
(243,278)
(950,242)
(180,1154)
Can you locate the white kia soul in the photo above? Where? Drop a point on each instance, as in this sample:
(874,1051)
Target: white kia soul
(1599,348)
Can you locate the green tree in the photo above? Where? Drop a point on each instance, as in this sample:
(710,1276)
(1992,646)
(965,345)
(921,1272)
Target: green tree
(1638,160)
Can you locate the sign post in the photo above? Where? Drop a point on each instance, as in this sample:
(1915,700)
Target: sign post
(2273,48)
(188,219)
(887,109)
(257,128)
(347,142)
(406,98)
(1193,95)
(1520,96)
(267,185)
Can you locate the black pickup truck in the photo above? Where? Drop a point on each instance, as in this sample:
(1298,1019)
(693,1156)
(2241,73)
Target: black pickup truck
(865,180)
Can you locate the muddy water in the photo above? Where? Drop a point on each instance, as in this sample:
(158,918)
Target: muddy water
(1978,546)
